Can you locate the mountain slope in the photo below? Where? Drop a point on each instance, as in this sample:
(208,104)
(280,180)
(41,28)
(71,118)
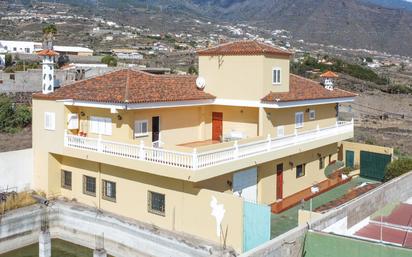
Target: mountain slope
(348,23)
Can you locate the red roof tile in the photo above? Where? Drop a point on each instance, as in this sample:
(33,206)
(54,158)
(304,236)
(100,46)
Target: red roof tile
(47,52)
(130,86)
(301,89)
(247,47)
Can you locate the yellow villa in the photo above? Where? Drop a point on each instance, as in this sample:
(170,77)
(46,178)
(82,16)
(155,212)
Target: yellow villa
(190,154)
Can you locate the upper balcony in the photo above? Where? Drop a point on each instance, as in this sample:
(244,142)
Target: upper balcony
(203,158)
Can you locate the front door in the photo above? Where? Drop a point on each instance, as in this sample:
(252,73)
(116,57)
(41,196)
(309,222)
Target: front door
(217,126)
(155,128)
(279,181)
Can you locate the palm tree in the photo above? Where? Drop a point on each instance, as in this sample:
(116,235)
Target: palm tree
(48,34)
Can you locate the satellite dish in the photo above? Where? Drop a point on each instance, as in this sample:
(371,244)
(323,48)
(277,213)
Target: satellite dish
(200,82)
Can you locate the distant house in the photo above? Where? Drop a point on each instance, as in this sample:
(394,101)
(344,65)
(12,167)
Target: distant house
(24,47)
(27,47)
(73,50)
(127,54)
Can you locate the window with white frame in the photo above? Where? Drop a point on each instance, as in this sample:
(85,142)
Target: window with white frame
(100,125)
(72,121)
(50,121)
(141,128)
(312,114)
(299,120)
(276,76)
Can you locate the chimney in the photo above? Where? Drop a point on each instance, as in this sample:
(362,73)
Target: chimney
(48,70)
(328,79)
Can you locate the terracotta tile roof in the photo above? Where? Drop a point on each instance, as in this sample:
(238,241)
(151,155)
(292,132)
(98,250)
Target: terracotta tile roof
(47,52)
(329,74)
(130,86)
(305,89)
(247,47)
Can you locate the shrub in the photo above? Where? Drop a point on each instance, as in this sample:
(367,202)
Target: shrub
(192,70)
(13,117)
(8,60)
(397,168)
(109,60)
(399,89)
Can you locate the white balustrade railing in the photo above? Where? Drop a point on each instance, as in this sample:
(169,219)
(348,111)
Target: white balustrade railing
(197,160)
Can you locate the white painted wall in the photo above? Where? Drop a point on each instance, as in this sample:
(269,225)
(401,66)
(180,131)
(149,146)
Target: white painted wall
(20,46)
(16,169)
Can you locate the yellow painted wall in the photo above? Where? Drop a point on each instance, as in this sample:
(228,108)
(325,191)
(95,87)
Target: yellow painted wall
(185,204)
(358,147)
(325,117)
(243,77)
(267,173)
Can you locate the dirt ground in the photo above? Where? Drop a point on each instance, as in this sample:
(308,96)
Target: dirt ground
(383,119)
(18,141)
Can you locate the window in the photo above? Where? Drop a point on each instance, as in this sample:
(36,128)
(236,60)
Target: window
(140,128)
(89,185)
(100,125)
(300,170)
(66,179)
(50,120)
(73,121)
(322,162)
(156,203)
(13,76)
(109,190)
(281,131)
(27,50)
(14,49)
(312,114)
(299,120)
(276,76)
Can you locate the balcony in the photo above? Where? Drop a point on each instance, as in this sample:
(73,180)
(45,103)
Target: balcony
(199,160)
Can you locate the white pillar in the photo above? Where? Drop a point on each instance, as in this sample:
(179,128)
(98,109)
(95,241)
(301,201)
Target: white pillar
(99,253)
(44,244)
(48,74)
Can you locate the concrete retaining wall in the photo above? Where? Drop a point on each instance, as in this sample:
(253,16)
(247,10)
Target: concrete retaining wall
(291,243)
(80,225)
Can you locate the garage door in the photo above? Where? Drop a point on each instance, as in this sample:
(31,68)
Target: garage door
(244,184)
(372,165)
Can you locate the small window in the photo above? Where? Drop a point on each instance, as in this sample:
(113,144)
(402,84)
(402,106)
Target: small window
(299,120)
(14,49)
(156,203)
(109,190)
(276,76)
(27,50)
(281,131)
(89,185)
(300,170)
(13,76)
(322,163)
(141,128)
(66,179)
(312,114)
(50,120)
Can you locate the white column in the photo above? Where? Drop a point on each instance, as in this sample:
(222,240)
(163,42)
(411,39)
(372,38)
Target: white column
(48,74)
(44,244)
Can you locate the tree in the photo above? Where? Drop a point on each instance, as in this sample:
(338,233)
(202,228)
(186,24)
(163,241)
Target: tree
(62,60)
(49,31)
(8,59)
(111,61)
(13,117)
(398,167)
(192,70)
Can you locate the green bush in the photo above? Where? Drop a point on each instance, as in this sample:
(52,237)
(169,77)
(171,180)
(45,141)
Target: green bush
(111,61)
(8,60)
(399,89)
(397,168)
(13,117)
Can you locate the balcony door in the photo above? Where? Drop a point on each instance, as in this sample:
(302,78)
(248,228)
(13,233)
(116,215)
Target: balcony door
(217,126)
(155,129)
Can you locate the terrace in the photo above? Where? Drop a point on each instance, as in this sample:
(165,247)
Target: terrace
(203,157)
